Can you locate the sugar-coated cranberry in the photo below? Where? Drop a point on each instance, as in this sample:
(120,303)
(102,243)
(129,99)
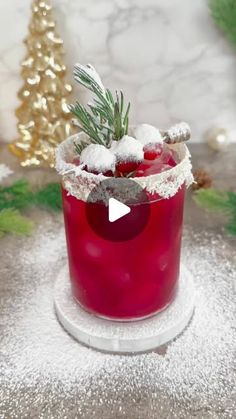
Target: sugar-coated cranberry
(152,151)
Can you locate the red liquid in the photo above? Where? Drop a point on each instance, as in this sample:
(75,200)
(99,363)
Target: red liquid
(130,279)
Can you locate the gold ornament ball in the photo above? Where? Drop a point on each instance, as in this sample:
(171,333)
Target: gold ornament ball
(218,139)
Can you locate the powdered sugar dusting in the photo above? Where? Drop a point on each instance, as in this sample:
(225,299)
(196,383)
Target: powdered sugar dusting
(125,337)
(147,134)
(46,374)
(98,158)
(90,70)
(128,149)
(80,183)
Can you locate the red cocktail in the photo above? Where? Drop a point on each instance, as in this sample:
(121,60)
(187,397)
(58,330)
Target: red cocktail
(128,279)
(128,270)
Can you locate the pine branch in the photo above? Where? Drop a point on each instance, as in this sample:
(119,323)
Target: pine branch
(232,200)
(231,226)
(48,197)
(11,221)
(224,14)
(20,196)
(212,199)
(220,201)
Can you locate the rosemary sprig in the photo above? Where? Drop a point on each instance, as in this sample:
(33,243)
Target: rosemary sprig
(105,119)
(80,146)
(88,123)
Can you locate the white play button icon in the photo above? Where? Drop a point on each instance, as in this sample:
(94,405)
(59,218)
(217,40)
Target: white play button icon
(117,210)
(108,203)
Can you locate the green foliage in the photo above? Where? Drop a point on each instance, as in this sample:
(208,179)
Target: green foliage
(224,14)
(232,200)
(106,118)
(231,226)
(212,199)
(121,122)
(19,196)
(11,221)
(48,197)
(218,200)
(79,146)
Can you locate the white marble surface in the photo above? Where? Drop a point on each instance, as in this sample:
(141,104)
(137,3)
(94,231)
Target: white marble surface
(167,56)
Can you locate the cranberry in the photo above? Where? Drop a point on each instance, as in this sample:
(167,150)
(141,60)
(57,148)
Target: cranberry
(109,173)
(152,151)
(149,167)
(171,162)
(76,161)
(94,172)
(125,167)
(143,167)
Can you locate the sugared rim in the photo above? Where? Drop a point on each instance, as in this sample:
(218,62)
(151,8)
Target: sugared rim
(80,183)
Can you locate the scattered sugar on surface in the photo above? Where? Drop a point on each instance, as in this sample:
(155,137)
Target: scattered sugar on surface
(5,171)
(47,374)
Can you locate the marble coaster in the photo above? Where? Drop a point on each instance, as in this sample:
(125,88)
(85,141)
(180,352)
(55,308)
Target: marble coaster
(124,337)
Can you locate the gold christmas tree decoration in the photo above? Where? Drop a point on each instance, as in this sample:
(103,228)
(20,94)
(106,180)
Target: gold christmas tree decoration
(43,117)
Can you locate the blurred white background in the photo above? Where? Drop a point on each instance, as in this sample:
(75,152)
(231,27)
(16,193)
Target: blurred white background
(167,55)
